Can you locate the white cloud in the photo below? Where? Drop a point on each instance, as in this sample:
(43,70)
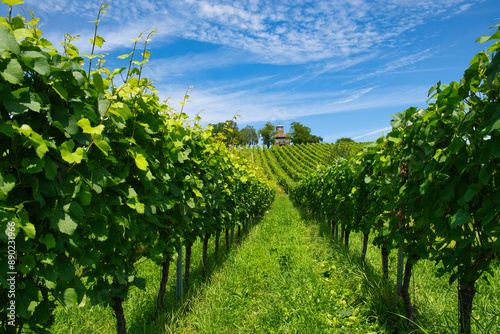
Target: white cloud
(318,37)
(281,32)
(195,62)
(374,132)
(231,16)
(259,104)
(397,64)
(460,10)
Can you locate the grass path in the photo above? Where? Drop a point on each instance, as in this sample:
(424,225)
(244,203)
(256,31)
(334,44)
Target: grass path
(286,275)
(283,279)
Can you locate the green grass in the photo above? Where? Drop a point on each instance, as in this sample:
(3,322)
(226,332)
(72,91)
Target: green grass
(287,275)
(140,305)
(434,299)
(283,279)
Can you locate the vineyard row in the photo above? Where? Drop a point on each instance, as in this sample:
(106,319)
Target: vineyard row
(431,187)
(97,175)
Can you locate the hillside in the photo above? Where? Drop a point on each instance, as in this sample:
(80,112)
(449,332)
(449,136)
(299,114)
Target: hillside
(288,164)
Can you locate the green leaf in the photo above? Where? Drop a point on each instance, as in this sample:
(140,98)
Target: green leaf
(121,109)
(345,313)
(459,218)
(117,120)
(180,157)
(13,73)
(487,213)
(37,61)
(70,297)
(394,139)
(485,174)
(135,204)
(433,88)
(6,128)
(493,47)
(139,207)
(60,90)
(494,122)
(98,41)
(46,44)
(99,84)
(397,121)
(35,166)
(471,192)
(493,69)
(37,140)
(40,146)
(27,263)
(31,101)
(12,2)
(64,268)
(48,240)
(68,155)
(190,203)
(25,129)
(141,161)
(75,210)
(50,169)
(87,128)
(66,223)
(21,101)
(30,230)
(62,115)
(131,193)
(16,23)
(123,56)
(483,39)
(8,41)
(103,105)
(101,231)
(22,33)
(80,79)
(85,196)
(50,280)
(7,183)
(102,144)
(90,56)
(455,145)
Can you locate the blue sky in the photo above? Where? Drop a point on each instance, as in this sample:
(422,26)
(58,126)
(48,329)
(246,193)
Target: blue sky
(340,67)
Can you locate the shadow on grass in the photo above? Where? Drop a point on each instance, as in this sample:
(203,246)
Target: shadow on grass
(175,310)
(376,293)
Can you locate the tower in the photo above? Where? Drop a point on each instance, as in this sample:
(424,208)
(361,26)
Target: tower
(280,137)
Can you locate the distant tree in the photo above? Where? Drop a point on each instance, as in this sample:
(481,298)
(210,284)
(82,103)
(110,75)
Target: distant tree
(299,134)
(315,139)
(344,140)
(230,131)
(344,148)
(248,136)
(267,134)
(217,128)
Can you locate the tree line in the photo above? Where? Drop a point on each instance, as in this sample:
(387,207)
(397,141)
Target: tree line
(299,134)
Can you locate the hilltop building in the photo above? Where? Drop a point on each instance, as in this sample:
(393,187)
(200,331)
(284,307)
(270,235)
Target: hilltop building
(280,138)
